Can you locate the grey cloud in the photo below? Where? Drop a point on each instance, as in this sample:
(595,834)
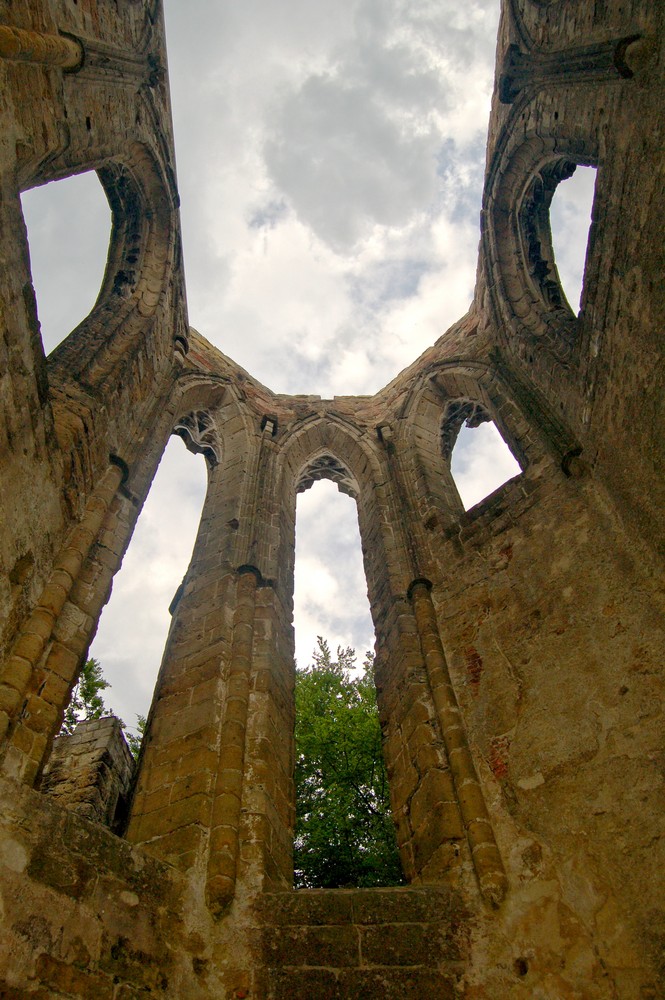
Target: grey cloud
(387,280)
(397,76)
(344,164)
(268,215)
(353,147)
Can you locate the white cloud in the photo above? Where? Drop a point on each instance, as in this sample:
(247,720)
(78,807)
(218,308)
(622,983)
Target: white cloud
(348,133)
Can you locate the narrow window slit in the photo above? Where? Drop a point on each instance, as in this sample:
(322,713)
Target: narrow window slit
(133,626)
(127,650)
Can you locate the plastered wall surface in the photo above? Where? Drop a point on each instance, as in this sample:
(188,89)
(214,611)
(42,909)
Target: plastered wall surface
(519,657)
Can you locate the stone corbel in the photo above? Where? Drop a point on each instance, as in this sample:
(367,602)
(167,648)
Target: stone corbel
(588,63)
(91,58)
(21,45)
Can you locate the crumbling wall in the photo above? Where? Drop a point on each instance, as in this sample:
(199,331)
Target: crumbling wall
(91,771)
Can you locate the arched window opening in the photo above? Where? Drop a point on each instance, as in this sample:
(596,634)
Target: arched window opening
(344,832)
(128,646)
(480,460)
(330,594)
(133,627)
(557,283)
(570,221)
(92,770)
(69,226)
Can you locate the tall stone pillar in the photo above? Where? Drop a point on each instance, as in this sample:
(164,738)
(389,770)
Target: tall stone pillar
(213,792)
(39,673)
(172,808)
(225,820)
(480,835)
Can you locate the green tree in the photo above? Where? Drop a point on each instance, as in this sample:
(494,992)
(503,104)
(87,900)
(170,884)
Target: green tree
(135,739)
(344,832)
(86,701)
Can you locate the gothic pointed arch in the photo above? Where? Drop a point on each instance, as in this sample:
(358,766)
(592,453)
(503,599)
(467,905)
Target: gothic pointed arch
(325,446)
(529,307)
(452,393)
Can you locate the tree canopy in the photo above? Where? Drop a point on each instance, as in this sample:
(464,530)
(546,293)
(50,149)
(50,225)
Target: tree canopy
(344,832)
(86,701)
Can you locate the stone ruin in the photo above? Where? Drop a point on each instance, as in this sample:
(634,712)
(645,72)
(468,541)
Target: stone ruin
(519,656)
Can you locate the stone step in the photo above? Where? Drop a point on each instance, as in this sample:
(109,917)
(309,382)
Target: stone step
(371,943)
(359,984)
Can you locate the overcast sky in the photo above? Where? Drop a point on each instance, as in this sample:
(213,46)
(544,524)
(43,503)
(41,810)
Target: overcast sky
(330,160)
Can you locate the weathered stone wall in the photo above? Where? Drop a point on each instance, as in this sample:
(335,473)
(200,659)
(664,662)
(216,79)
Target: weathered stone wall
(63,417)
(91,771)
(519,644)
(83,913)
(585,90)
(377,944)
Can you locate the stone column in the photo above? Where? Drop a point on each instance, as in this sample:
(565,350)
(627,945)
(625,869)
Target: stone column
(29,708)
(422,794)
(187,807)
(171,811)
(225,819)
(484,852)
(21,45)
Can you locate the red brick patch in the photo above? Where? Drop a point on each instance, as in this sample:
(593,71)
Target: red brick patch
(498,756)
(474,667)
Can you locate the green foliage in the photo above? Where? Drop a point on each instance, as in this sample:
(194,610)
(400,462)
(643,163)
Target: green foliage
(134,740)
(344,832)
(86,702)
